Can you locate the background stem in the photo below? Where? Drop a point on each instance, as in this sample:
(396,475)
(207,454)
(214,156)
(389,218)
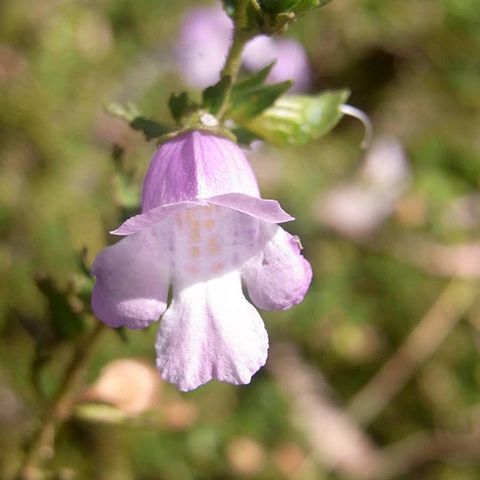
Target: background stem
(60,407)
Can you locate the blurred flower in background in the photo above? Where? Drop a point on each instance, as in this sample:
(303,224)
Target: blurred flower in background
(289,55)
(203,45)
(131,385)
(357,208)
(463,212)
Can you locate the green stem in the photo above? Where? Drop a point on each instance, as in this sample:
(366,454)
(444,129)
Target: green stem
(233,62)
(59,409)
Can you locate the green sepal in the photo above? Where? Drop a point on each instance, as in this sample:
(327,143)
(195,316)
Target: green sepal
(247,103)
(212,97)
(298,119)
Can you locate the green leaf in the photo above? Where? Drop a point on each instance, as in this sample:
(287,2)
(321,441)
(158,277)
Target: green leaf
(277,6)
(244,137)
(299,119)
(253,14)
(150,128)
(298,7)
(130,113)
(66,320)
(181,106)
(252,82)
(230,7)
(101,413)
(127,112)
(212,97)
(247,103)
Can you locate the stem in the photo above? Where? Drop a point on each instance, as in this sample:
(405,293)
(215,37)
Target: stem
(233,61)
(456,299)
(59,409)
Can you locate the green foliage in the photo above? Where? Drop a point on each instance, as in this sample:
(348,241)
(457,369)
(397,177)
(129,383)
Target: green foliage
(255,81)
(251,97)
(271,16)
(213,96)
(131,114)
(230,7)
(299,7)
(60,192)
(65,317)
(297,120)
(181,106)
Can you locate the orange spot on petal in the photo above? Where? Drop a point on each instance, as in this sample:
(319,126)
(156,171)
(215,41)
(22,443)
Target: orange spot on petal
(209,224)
(213,246)
(195,252)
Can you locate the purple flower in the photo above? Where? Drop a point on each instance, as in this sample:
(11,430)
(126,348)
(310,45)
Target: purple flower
(204,40)
(203,45)
(291,61)
(204,230)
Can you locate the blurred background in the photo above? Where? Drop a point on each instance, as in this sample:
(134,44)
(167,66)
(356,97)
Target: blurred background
(376,374)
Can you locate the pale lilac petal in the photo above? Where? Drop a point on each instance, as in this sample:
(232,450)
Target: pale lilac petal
(132,280)
(210,331)
(267,210)
(196,165)
(280,276)
(152,217)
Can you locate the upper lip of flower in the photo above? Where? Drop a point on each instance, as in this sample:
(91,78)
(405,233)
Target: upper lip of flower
(200,168)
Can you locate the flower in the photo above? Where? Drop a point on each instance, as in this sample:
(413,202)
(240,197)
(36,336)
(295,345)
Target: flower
(291,60)
(203,231)
(358,208)
(203,45)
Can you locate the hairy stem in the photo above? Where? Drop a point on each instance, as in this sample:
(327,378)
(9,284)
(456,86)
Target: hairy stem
(233,62)
(59,409)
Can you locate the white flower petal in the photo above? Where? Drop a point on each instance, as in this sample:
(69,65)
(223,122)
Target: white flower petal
(210,331)
(279,277)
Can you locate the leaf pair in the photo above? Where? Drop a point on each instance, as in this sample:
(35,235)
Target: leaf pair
(248,98)
(260,110)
